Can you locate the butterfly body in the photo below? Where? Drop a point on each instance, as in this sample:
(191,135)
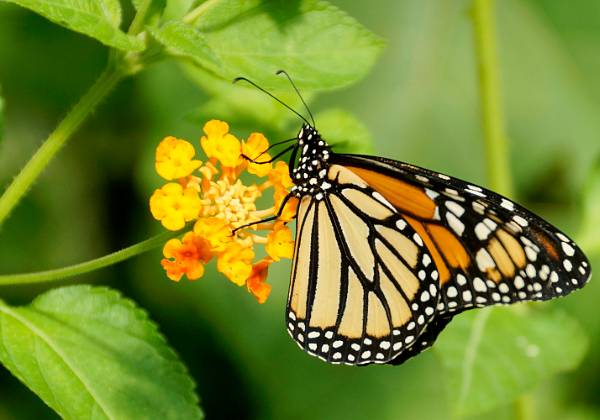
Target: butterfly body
(310,174)
(387,253)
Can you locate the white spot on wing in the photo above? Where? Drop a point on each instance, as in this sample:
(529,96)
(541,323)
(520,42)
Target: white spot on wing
(417,239)
(508,205)
(477,193)
(484,260)
(479,285)
(531,254)
(431,194)
(426,260)
(519,283)
(482,231)
(455,208)
(490,223)
(520,221)
(456,225)
(568,249)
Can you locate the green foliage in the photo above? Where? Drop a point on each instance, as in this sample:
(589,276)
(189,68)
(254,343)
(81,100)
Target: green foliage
(302,39)
(99,19)
(491,356)
(151,10)
(89,353)
(86,350)
(176,9)
(344,131)
(184,40)
(241,102)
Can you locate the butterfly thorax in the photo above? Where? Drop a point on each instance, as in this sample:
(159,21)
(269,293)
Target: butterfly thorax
(310,173)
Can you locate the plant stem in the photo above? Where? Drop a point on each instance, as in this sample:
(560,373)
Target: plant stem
(85,267)
(496,148)
(56,140)
(194,14)
(137,24)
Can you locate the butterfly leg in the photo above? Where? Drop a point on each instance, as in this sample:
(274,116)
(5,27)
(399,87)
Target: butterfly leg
(278,155)
(268,219)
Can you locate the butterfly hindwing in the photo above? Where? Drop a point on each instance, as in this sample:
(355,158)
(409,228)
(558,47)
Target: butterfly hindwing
(364,286)
(425,341)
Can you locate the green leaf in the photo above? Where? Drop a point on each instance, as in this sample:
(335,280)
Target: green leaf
(89,353)
(176,9)
(184,40)
(319,45)
(492,356)
(344,131)
(99,19)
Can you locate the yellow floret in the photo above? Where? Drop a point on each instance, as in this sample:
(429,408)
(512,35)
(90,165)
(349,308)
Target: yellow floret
(173,205)
(175,158)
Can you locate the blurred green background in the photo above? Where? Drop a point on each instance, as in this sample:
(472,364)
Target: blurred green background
(420,104)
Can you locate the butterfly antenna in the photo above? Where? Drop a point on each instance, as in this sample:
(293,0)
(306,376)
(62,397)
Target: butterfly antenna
(299,95)
(237,79)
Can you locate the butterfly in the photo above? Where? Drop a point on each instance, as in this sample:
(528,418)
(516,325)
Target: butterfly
(387,253)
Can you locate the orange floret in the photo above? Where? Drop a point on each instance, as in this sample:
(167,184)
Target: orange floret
(187,256)
(256,283)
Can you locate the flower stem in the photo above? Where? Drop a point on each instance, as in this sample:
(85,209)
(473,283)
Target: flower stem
(85,267)
(56,140)
(496,148)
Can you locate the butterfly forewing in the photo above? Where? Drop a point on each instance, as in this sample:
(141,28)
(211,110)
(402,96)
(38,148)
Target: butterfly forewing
(491,250)
(364,285)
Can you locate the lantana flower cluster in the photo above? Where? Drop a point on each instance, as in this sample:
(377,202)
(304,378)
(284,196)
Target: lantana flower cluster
(211,197)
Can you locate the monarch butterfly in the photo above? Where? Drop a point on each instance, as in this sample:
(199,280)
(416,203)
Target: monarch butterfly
(386,253)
